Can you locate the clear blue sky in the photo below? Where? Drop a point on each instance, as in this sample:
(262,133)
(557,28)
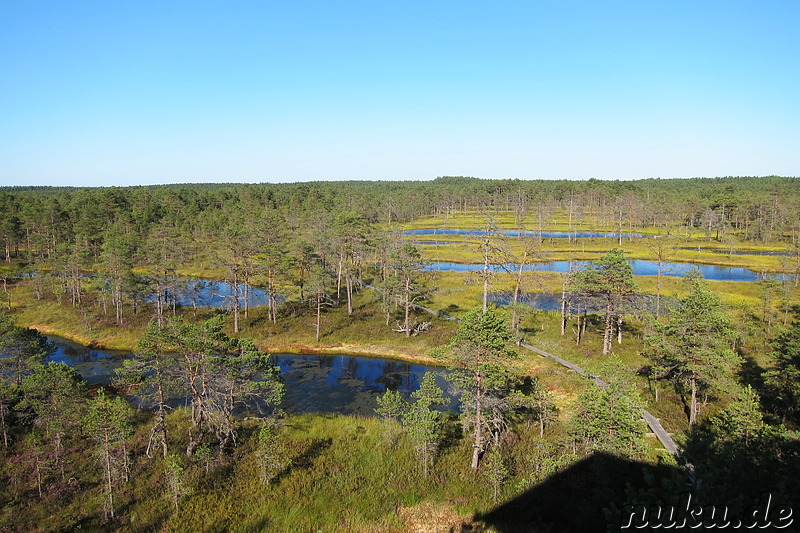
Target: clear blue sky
(139,92)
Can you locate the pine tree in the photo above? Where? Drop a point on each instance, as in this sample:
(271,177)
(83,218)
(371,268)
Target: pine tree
(609,419)
(694,348)
(107,424)
(479,354)
(496,471)
(783,379)
(407,264)
(391,405)
(533,400)
(423,422)
(270,452)
(610,278)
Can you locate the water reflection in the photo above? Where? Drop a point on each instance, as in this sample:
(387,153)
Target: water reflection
(216,294)
(95,366)
(640,268)
(347,384)
(314,383)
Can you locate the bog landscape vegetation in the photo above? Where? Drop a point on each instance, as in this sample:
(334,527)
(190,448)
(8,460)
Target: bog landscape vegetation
(489,348)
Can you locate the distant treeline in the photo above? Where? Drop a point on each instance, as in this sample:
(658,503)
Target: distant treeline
(760,208)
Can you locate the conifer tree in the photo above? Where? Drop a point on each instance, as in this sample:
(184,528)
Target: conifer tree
(610,278)
(694,348)
(783,379)
(423,422)
(107,424)
(479,354)
(609,419)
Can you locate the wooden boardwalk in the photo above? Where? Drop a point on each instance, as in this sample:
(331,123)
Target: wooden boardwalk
(655,425)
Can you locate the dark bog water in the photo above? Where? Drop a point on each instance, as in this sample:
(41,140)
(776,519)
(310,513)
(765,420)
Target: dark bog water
(347,384)
(216,294)
(548,301)
(640,268)
(314,383)
(95,366)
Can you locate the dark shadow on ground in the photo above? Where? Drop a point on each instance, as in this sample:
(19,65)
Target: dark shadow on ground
(754,476)
(583,497)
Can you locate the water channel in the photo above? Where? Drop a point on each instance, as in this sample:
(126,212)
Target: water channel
(343,384)
(528,233)
(640,268)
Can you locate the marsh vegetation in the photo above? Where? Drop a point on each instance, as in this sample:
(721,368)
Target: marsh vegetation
(202,285)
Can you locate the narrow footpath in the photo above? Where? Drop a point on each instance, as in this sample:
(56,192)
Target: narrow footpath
(654,423)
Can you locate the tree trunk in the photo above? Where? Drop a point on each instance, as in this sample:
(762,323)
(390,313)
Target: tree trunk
(339,280)
(569,231)
(246,293)
(407,306)
(658,289)
(109,479)
(486,275)
(608,329)
(515,301)
(349,288)
(159,303)
(693,405)
(319,311)
(3,423)
(477,447)
(235,301)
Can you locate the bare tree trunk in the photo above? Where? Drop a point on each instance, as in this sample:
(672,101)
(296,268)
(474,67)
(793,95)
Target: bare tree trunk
(486,275)
(348,281)
(246,293)
(658,289)
(515,301)
(339,279)
(3,423)
(564,308)
(109,479)
(319,310)
(407,306)
(118,301)
(271,303)
(608,329)
(478,445)
(693,405)
(159,303)
(159,427)
(235,302)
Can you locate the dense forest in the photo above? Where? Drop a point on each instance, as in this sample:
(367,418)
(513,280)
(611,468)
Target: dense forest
(192,433)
